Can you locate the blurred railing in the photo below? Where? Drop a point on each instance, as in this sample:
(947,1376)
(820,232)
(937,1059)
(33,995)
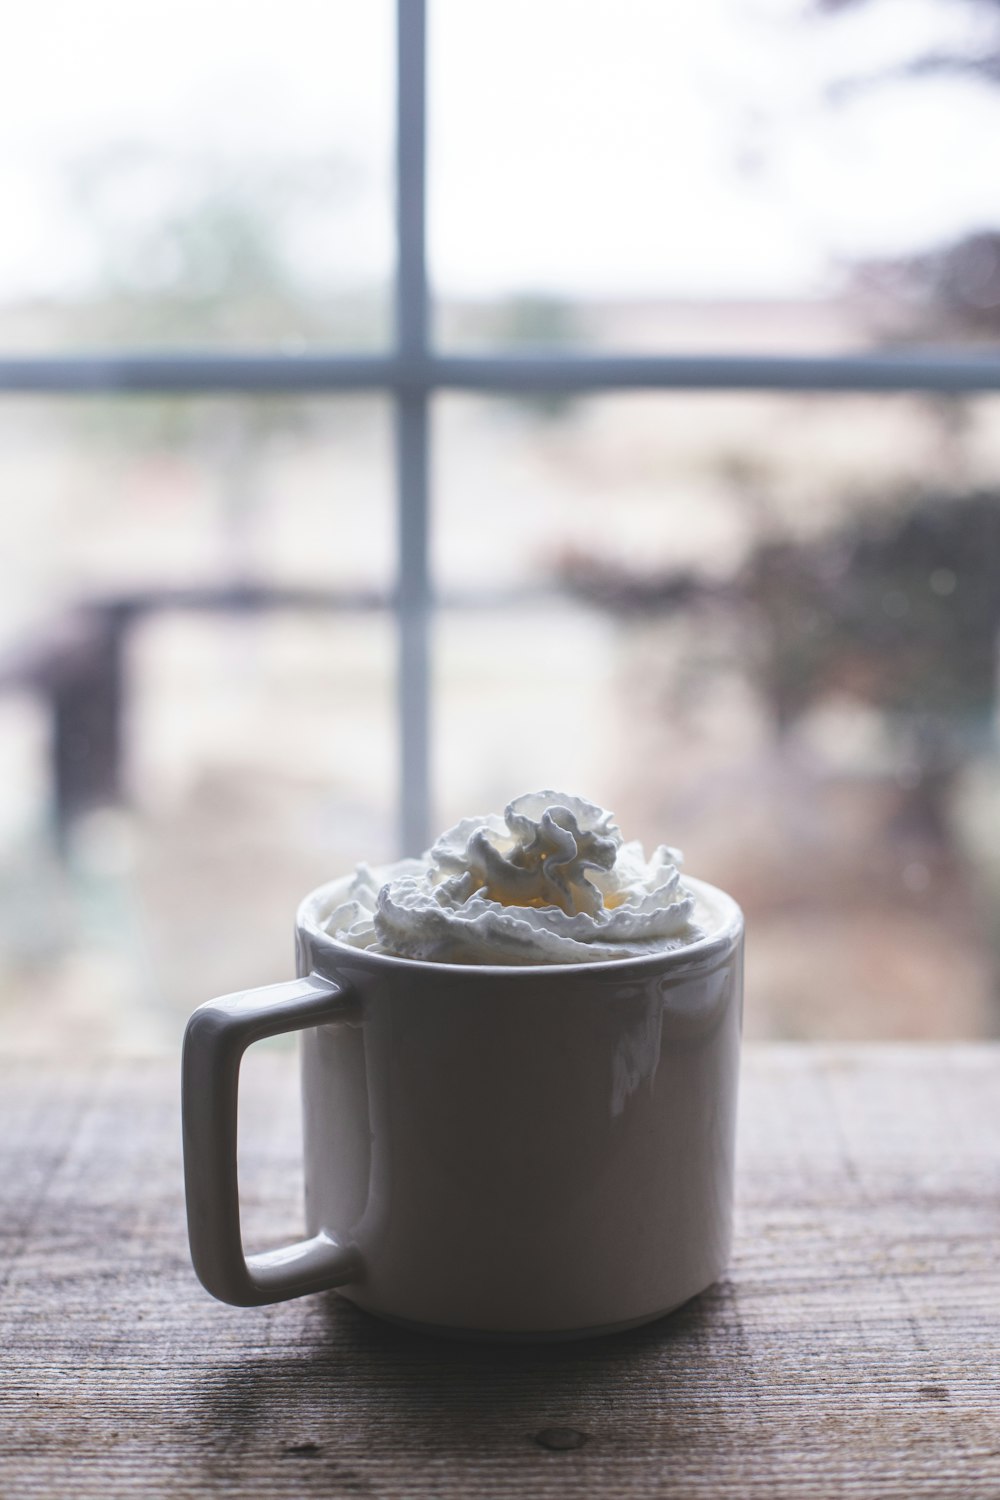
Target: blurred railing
(78,668)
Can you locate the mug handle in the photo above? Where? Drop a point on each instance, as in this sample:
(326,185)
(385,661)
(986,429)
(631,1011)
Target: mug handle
(215,1039)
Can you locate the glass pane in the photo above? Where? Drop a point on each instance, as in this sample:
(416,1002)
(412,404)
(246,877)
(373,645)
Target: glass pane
(182,174)
(650,176)
(106,498)
(198,719)
(762,628)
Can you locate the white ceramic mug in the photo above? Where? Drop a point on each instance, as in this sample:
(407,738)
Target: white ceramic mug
(540,1151)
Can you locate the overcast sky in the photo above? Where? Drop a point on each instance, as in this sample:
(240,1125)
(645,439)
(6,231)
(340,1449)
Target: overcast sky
(622,147)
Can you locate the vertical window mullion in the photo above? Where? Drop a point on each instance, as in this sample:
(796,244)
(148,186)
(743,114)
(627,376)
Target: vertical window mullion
(412,421)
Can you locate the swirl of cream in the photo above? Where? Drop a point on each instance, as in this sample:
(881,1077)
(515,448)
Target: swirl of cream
(552,881)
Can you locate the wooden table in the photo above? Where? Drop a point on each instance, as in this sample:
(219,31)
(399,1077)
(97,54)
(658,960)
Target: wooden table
(853,1349)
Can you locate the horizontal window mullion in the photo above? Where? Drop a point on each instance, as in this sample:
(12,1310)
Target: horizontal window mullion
(930,371)
(193,373)
(196,373)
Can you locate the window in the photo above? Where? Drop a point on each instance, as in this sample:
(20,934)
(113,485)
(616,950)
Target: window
(402,372)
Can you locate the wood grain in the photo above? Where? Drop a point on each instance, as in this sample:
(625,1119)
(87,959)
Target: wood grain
(854,1348)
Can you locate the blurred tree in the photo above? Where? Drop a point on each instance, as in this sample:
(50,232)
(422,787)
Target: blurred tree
(977,55)
(951,290)
(949,293)
(196,251)
(901,612)
(536,322)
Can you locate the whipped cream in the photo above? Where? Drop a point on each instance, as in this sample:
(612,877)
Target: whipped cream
(550,882)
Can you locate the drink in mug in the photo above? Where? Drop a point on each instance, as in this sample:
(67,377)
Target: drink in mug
(519,1069)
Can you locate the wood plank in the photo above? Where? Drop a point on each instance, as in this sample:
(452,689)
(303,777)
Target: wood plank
(853,1349)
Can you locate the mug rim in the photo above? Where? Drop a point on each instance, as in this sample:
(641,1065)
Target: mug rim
(720,940)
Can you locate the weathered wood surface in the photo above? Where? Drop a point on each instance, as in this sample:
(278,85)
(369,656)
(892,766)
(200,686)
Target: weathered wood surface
(854,1348)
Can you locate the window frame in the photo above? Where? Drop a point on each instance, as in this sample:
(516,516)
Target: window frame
(411,372)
